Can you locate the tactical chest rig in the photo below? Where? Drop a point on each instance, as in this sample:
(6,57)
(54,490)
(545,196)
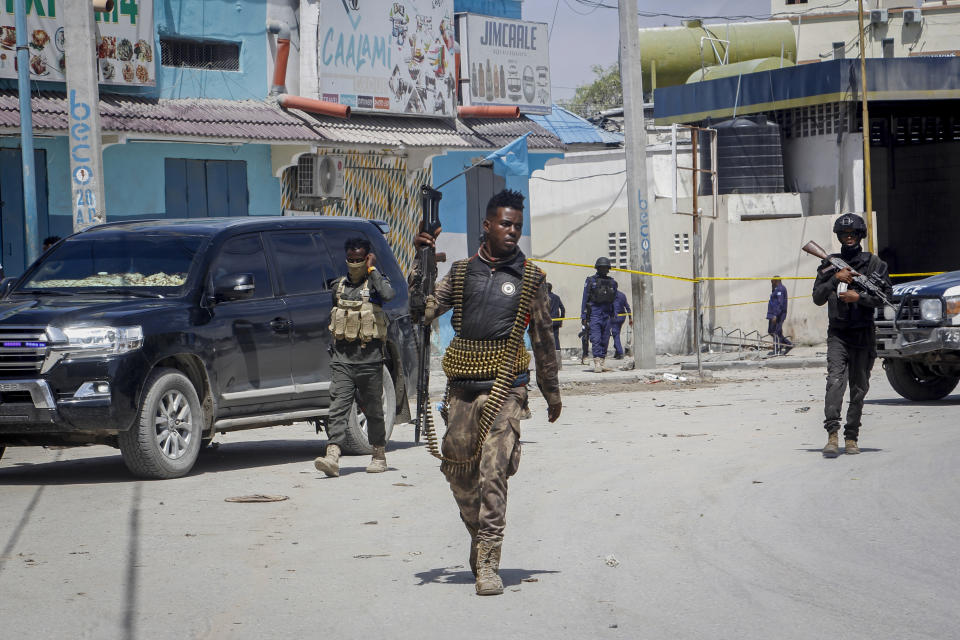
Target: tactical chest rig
(482,360)
(357,319)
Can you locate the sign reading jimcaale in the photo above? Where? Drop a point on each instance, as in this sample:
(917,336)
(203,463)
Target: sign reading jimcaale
(506,62)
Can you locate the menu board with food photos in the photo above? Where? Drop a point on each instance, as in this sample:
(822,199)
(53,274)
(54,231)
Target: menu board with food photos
(125,45)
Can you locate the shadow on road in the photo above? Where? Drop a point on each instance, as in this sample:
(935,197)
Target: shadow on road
(448,575)
(133,564)
(862,450)
(225,457)
(903,402)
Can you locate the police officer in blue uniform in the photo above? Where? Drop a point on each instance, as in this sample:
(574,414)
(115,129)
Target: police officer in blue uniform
(599,294)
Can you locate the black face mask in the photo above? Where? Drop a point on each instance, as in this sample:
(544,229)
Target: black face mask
(848,253)
(603,271)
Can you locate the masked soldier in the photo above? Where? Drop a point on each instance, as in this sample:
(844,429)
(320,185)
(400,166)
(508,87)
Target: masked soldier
(359,327)
(851,342)
(495,296)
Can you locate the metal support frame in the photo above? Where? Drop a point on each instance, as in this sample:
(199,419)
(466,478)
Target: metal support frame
(696,214)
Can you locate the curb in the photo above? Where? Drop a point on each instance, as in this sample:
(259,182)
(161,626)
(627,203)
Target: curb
(796,363)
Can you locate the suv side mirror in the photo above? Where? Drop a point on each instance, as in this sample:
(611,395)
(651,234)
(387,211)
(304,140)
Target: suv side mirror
(235,286)
(6,285)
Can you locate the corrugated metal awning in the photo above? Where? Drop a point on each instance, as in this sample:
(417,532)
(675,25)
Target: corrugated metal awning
(256,120)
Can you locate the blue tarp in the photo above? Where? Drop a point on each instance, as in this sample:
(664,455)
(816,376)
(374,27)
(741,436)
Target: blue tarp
(572,129)
(919,78)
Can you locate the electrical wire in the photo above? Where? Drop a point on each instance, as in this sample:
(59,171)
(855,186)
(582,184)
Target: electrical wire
(595,175)
(591,220)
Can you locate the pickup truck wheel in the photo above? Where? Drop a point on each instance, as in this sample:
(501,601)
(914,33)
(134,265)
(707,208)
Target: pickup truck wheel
(355,440)
(165,440)
(916,381)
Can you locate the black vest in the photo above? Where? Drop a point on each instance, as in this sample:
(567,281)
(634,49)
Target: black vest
(491,298)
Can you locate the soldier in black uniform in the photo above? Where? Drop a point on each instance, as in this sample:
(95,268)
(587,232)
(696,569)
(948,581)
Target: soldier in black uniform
(851,342)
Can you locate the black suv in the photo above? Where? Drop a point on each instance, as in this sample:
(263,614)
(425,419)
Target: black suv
(154,335)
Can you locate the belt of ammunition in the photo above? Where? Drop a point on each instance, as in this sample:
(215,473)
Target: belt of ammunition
(481,359)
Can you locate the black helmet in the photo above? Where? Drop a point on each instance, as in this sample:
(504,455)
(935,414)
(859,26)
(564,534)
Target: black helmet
(602,262)
(851,221)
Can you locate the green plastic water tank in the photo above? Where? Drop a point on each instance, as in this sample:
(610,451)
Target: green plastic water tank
(670,54)
(738,68)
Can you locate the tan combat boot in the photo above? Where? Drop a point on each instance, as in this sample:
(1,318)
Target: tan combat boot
(598,365)
(850,447)
(330,463)
(832,448)
(488,564)
(378,461)
(473,550)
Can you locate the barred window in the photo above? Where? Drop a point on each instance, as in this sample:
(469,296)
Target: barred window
(305,175)
(200,54)
(617,250)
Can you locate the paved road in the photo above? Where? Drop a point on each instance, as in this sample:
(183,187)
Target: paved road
(666,512)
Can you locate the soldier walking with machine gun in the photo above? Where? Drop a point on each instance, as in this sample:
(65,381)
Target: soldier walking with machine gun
(495,295)
(852,284)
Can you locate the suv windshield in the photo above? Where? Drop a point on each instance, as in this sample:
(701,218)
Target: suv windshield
(117,258)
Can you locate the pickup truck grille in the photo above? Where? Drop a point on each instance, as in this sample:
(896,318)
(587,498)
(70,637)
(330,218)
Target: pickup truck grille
(910,310)
(22,351)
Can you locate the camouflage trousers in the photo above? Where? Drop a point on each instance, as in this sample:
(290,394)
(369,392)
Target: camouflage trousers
(481,489)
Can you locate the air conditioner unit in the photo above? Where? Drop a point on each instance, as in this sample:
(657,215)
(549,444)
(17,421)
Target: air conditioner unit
(912,16)
(328,178)
(320,176)
(878,16)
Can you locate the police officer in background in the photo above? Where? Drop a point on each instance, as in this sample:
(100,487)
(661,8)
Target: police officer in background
(359,327)
(621,311)
(851,342)
(599,294)
(557,310)
(776,314)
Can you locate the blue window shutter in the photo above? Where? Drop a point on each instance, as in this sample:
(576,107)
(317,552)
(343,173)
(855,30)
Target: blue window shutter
(238,195)
(196,189)
(175,187)
(217,205)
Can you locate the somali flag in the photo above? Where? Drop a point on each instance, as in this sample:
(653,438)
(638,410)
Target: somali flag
(511,160)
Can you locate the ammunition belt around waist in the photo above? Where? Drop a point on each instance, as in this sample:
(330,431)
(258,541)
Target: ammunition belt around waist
(470,361)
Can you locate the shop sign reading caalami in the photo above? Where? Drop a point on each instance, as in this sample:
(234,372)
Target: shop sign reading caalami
(388,57)
(507,63)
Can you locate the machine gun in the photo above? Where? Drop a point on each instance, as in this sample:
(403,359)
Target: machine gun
(872,284)
(422,285)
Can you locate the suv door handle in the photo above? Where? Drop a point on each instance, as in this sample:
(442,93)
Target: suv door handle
(280,325)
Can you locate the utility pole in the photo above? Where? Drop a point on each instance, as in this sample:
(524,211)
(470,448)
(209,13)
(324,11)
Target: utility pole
(83,104)
(30,223)
(867,185)
(638,207)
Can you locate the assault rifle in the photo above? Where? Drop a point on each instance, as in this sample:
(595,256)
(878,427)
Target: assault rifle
(422,285)
(872,284)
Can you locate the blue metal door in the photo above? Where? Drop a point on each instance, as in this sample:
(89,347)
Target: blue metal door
(12,234)
(205,188)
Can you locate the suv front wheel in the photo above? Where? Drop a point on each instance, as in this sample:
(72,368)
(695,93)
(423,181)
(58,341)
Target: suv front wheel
(916,381)
(165,440)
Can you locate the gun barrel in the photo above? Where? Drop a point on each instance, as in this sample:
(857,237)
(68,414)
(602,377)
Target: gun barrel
(815,250)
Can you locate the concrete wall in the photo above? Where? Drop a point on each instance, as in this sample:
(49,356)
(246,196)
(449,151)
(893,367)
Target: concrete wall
(752,236)
(817,31)
(831,171)
(237,20)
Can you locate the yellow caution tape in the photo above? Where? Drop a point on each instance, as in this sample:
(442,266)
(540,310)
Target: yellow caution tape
(709,278)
